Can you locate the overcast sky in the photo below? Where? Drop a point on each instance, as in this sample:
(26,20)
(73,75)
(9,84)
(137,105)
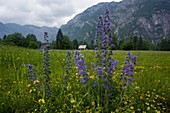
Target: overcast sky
(51,13)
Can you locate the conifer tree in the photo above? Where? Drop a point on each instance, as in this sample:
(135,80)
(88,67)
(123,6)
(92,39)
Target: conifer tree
(59,38)
(75,44)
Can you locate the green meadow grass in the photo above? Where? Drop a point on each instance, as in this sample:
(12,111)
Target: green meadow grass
(151,80)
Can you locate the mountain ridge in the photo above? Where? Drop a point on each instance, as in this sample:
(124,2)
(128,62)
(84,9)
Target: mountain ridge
(88,21)
(149,19)
(9,28)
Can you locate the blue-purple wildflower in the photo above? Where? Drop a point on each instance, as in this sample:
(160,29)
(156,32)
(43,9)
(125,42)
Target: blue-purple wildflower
(81,68)
(46,66)
(32,76)
(128,69)
(105,64)
(68,66)
(32,73)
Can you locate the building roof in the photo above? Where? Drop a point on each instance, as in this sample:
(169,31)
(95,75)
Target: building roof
(82,46)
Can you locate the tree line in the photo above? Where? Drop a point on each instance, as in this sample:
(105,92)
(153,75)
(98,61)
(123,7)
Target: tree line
(139,43)
(17,39)
(133,43)
(63,42)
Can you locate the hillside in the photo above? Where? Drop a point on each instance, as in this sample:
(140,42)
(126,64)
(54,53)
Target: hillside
(148,18)
(10,28)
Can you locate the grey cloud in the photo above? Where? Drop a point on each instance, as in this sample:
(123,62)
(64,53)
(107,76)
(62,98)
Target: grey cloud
(41,12)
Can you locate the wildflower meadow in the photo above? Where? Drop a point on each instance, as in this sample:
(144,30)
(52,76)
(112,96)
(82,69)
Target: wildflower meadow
(87,81)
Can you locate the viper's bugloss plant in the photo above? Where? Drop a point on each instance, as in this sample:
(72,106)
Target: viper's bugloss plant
(46,67)
(81,68)
(105,65)
(34,86)
(102,85)
(34,80)
(32,75)
(68,66)
(128,70)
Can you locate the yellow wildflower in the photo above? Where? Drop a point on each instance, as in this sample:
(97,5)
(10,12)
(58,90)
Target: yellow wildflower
(30,91)
(148,108)
(93,103)
(68,87)
(131,107)
(157,111)
(34,89)
(87,111)
(137,87)
(117,110)
(152,105)
(41,100)
(92,77)
(29,85)
(125,103)
(163,98)
(36,81)
(147,103)
(139,109)
(141,97)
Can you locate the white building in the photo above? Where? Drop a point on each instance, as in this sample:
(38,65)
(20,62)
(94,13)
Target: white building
(82,47)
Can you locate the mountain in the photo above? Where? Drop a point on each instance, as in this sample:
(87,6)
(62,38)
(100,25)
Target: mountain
(10,28)
(147,18)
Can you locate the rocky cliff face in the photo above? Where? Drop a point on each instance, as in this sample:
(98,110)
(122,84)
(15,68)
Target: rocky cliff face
(148,18)
(82,26)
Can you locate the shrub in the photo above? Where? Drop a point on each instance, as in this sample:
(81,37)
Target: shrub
(33,45)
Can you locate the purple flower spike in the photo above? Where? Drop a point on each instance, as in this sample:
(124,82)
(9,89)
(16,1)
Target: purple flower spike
(112,45)
(46,66)
(128,69)
(95,85)
(68,66)
(81,67)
